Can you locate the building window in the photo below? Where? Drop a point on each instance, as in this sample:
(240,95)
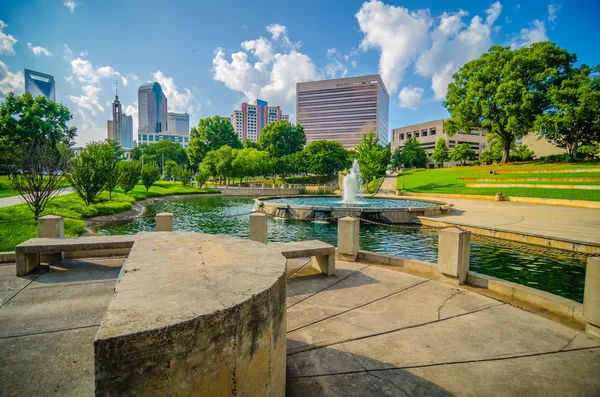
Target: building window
(401,137)
(151,138)
(432,131)
(424,133)
(408,136)
(416,134)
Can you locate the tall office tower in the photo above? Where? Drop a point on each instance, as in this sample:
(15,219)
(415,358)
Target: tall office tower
(37,83)
(127,134)
(343,110)
(110,130)
(152,109)
(179,123)
(250,121)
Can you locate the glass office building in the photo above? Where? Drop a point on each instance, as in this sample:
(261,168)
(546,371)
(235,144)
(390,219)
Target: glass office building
(152,109)
(37,84)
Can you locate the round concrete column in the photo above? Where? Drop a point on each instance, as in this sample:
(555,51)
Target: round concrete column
(195,315)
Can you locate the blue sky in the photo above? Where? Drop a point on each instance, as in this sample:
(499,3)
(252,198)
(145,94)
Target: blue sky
(210,56)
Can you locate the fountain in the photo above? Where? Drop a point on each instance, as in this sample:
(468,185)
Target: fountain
(352,184)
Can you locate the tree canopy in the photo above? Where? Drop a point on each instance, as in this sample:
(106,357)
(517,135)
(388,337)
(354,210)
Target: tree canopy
(372,158)
(89,171)
(325,157)
(211,134)
(440,153)
(411,155)
(282,138)
(505,90)
(463,153)
(153,153)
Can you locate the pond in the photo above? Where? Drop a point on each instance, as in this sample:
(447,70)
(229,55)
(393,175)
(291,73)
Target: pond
(362,202)
(553,271)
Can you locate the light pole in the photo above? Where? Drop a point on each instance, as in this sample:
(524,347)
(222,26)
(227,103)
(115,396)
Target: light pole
(142,157)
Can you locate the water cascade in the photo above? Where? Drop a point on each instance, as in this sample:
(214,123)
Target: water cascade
(352,184)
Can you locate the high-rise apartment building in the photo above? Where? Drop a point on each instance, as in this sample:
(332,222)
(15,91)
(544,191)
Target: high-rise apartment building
(179,123)
(37,84)
(344,109)
(152,109)
(253,117)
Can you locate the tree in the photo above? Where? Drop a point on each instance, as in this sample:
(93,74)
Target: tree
(201,178)
(186,175)
(130,174)
(573,119)
(282,138)
(24,119)
(493,153)
(463,153)
(325,157)
(88,172)
(150,174)
(40,173)
(249,162)
(411,155)
(372,157)
(155,152)
(219,163)
(113,172)
(248,144)
(171,170)
(440,153)
(211,134)
(522,153)
(504,91)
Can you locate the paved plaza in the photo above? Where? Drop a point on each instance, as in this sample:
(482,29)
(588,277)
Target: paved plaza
(368,331)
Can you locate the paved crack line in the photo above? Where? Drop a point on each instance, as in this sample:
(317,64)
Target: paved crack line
(337,282)
(362,305)
(570,341)
(300,268)
(49,332)
(483,360)
(446,301)
(395,330)
(18,292)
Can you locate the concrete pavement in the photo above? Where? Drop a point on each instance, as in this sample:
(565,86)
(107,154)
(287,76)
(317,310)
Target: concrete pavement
(368,331)
(16,200)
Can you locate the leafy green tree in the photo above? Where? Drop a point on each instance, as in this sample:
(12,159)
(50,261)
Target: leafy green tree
(171,170)
(130,174)
(248,144)
(113,176)
(88,172)
(219,163)
(574,116)
(411,155)
(249,162)
(325,157)
(25,119)
(150,174)
(201,178)
(211,134)
(463,153)
(186,175)
(372,157)
(440,153)
(504,91)
(591,152)
(153,153)
(522,153)
(282,138)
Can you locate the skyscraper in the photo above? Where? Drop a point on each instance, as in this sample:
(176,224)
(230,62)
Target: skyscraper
(343,110)
(179,123)
(117,121)
(152,109)
(127,134)
(37,83)
(252,118)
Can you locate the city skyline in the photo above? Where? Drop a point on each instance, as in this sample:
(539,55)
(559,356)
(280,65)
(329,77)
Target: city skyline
(416,47)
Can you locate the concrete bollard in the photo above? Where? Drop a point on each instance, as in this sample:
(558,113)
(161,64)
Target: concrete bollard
(398,192)
(591,297)
(454,247)
(499,196)
(348,238)
(164,222)
(258,227)
(51,226)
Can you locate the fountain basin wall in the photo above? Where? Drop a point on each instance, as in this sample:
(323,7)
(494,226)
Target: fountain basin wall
(391,215)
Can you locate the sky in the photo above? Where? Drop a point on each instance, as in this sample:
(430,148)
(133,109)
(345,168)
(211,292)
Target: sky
(211,56)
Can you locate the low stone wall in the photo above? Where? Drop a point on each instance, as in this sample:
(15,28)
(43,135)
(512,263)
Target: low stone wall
(246,191)
(532,186)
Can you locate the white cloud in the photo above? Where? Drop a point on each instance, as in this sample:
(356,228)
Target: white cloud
(70,4)
(335,64)
(410,97)
(132,110)
(517,7)
(89,100)
(83,54)
(208,102)
(177,101)
(536,32)
(552,11)
(9,81)
(84,72)
(7,41)
(125,81)
(37,50)
(277,30)
(399,34)
(67,53)
(260,47)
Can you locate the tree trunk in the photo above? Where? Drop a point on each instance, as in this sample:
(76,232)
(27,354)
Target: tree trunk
(505,151)
(575,148)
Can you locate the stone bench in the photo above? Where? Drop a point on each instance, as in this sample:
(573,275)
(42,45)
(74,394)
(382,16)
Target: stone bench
(322,254)
(28,252)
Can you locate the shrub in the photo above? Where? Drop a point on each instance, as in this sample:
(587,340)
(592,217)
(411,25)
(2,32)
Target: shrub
(150,174)
(201,177)
(130,174)
(88,172)
(557,158)
(186,175)
(522,153)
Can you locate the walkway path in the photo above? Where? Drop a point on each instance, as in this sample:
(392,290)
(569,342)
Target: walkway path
(555,221)
(16,200)
(368,331)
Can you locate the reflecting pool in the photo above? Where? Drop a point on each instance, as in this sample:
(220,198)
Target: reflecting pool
(554,271)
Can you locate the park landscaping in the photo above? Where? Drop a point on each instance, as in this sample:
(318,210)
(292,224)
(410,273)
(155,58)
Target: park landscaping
(455,180)
(73,208)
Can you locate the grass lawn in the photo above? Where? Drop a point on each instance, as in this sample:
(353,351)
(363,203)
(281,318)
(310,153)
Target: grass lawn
(6,187)
(70,205)
(446,180)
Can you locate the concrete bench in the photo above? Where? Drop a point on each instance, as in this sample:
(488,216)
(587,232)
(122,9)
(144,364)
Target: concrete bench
(28,252)
(322,254)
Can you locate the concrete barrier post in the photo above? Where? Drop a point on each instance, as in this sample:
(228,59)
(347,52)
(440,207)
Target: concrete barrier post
(258,227)
(499,196)
(51,226)
(348,238)
(164,222)
(591,297)
(454,247)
